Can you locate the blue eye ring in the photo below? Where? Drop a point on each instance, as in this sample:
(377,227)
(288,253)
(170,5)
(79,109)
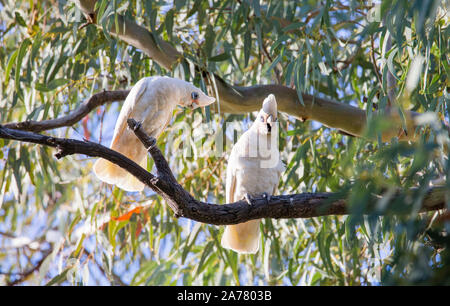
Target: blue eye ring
(194,95)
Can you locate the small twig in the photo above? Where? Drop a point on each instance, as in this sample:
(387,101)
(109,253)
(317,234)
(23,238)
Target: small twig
(91,19)
(115,277)
(84,25)
(374,62)
(345,63)
(9,235)
(23,276)
(275,68)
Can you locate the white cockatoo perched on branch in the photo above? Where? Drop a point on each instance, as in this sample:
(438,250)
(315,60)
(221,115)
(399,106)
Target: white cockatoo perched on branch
(254,168)
(151,101)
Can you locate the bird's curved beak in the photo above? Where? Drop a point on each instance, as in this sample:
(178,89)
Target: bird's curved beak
(194,103)
(269,123)
(202,101)
(211,100)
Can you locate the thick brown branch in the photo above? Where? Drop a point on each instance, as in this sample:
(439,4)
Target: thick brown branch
(150,144)
(71,146)
(74,116)
(304,205)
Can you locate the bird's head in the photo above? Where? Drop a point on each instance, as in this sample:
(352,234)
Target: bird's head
(192,97)
(267,117)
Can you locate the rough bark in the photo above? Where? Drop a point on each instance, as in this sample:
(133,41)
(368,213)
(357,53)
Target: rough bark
(74,116)
(183,204)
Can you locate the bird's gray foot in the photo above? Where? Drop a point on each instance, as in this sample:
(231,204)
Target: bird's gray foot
(133,124)
(152,143)
(248,198)
(138,126)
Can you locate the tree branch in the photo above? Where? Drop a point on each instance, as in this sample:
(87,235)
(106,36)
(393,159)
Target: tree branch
(183,204)
(24,275)
(73,117)
(237,99)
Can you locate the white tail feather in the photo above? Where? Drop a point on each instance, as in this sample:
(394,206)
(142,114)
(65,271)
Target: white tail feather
(113,174)
(242,238)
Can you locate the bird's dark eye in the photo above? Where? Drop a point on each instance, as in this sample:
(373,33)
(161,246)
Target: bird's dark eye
(262,119)
(194,95)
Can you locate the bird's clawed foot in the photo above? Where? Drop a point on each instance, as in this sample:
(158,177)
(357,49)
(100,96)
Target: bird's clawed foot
(152,143)
(137,126)
(248,198)
(402,132)
(133,124)
(267,197)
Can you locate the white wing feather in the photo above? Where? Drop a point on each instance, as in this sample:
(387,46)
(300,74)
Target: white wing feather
(125,142)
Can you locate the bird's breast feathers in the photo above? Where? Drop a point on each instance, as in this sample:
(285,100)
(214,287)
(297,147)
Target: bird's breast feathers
(255,181)
(251,152)
(252,174)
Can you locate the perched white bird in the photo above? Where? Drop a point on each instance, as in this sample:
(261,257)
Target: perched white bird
(151,101)
(254,168)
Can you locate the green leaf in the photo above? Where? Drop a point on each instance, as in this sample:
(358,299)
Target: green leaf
(390,63)
(266,261)
(194,9)
(293,26)
(57,30)
(205,254)
(22,51)
(57,83)
(316,21)
(169,23)
(100,7)
(274,63)
(209,40)
(37,42)
(9,66)
(190,240)
(79,245)
(219,58)
(324,250)
(247,46)
(58,279)
(257,8)
(41,87)
(20,20)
